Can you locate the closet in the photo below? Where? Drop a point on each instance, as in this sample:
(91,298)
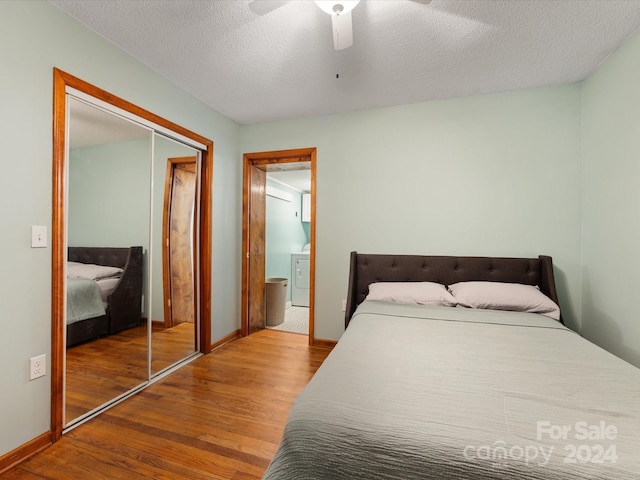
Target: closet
(132,210)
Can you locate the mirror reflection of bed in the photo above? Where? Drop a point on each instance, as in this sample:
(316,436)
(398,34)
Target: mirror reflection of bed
(124,216)
(104,306)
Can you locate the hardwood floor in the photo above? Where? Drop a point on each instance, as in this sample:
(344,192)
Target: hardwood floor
(170,345)
(102,369)
(219,417)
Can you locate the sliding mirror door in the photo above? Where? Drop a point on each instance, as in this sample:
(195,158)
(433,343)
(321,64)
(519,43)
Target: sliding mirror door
(176,172)
(132,211)
(108,222)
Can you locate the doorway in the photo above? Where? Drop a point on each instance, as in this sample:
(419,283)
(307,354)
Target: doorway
(256,168)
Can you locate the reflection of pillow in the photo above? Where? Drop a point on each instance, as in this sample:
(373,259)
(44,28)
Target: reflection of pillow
(515,297)
(90,271)
(423,293)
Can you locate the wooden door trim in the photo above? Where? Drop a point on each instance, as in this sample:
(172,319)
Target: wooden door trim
(61,80)
(263,160)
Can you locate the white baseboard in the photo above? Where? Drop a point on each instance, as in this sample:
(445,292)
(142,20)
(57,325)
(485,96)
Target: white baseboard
(287,305)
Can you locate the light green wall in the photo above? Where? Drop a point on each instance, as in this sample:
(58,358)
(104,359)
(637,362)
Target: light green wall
(285,233)
(109,188)
(611,198)
(486,175)
(35,38)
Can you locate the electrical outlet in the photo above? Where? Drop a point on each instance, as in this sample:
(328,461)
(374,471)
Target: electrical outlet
(37,366)
(344,305)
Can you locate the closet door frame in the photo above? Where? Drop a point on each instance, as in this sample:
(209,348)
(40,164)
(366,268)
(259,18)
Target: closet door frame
(61,82)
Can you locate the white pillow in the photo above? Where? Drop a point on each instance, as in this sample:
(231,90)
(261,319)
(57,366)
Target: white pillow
(514,297)
(422,293)
(91,272)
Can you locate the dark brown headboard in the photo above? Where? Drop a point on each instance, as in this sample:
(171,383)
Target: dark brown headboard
(369,268)
(106,256)
(125,303)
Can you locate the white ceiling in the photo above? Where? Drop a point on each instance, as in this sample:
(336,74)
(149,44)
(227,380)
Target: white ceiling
(297,179)
(282,65)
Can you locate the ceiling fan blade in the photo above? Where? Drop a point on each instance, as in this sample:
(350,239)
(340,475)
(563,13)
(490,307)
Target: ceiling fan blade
(342,31)
(423,2)
(262,7)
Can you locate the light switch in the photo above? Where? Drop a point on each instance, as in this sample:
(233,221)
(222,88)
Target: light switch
(38,236)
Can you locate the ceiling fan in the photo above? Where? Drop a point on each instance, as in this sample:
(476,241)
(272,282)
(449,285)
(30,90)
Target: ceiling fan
(340,11)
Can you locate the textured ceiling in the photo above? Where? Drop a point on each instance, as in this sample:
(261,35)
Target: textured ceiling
(282,65)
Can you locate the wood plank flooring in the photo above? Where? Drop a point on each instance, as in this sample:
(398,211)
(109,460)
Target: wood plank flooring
(219,417)
(102,369)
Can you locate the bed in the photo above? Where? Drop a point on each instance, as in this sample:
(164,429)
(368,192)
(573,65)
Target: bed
(426,391)
(104,291)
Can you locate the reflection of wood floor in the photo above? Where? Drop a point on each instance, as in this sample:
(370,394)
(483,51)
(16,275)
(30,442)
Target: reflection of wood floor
(169,345)
(102,369)
(219,417)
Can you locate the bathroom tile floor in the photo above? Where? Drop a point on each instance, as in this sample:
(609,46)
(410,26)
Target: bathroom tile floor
(296,320)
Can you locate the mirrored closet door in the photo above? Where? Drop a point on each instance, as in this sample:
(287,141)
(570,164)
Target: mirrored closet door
(131,257)
(108,222)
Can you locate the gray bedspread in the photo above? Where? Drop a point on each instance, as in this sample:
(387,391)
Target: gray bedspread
(415,392)
(83,300)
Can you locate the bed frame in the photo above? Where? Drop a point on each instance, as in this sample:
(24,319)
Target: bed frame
(124,308)
(370,268)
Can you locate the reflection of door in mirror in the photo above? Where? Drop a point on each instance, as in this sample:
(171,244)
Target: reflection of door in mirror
(174,335)
(109,172)
(180,190)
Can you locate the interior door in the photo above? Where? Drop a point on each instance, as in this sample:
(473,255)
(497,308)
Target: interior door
(256,253)
(178,266)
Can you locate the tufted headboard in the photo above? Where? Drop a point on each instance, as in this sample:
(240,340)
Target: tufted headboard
(370,268)
(125,302)
(110,257)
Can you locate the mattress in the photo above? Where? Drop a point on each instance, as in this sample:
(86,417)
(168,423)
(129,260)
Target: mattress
(417,392)
(107,286)
(83,300)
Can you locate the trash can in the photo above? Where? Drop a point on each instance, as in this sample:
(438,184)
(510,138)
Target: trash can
(276,298)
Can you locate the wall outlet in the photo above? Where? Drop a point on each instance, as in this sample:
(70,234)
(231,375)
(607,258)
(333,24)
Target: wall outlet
(37,366)
(344,305)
